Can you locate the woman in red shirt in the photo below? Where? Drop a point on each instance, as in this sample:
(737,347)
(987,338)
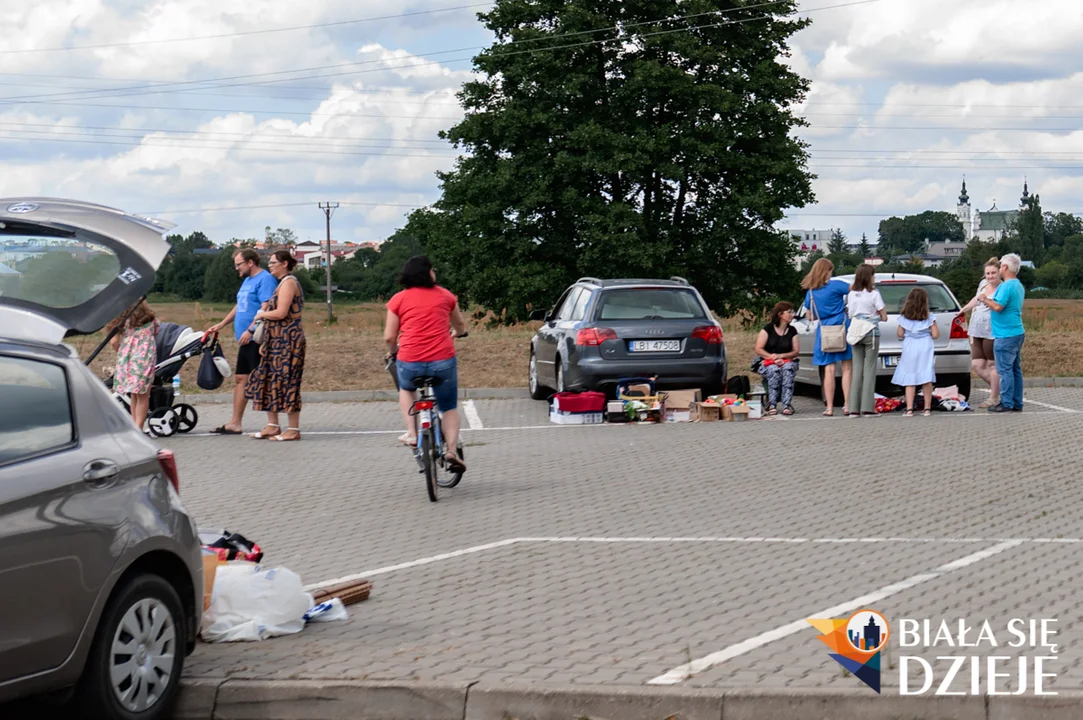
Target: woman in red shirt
(422,322)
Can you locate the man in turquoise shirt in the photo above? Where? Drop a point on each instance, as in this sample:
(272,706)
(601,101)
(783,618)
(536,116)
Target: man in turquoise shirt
(256,290)
(1006,319)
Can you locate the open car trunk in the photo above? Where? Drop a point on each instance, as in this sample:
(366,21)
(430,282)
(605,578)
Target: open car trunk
(69,268)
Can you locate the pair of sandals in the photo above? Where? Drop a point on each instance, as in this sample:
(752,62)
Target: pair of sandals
(788,410)
(276,435)
(924,413)
(454,463)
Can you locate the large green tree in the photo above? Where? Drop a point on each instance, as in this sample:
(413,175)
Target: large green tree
(912,233)
(617,138)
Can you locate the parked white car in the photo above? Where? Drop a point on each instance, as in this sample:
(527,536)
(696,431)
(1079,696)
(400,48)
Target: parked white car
(952,349)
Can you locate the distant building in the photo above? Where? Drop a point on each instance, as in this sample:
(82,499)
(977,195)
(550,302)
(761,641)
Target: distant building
(991,225)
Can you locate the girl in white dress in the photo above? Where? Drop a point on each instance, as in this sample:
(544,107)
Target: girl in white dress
(917,329)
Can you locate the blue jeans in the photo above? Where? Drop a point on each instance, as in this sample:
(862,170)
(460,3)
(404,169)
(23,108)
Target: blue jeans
(447,392)
(1007,352)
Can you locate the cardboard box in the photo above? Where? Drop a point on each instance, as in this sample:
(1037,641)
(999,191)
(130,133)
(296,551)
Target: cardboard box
(210,569)
(735,413)
(706,412)
(679,405)
(755,409)
(636,391)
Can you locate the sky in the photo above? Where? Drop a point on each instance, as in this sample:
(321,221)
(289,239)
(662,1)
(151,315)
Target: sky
(228,117)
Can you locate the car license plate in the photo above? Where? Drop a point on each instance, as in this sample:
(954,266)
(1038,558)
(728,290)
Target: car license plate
(654,346)
(891,361)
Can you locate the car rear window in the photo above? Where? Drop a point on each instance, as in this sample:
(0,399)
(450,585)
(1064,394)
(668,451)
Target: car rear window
(54,272)
(894,295)
(35,412)
(649,304)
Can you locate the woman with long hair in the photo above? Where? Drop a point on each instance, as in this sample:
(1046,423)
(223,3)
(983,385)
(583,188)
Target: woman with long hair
(917,329)
(274,386)
(980,331)
(136,358)
(865,303)
(825,297)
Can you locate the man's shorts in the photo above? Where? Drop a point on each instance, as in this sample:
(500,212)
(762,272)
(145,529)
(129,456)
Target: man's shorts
(447,392)
(247,359)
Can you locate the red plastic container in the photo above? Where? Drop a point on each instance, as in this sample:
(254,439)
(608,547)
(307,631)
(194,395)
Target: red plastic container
(584,402)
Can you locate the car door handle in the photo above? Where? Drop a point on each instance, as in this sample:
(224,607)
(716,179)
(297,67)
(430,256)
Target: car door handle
(98,471)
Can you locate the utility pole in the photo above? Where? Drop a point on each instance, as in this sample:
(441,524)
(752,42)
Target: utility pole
(328,210)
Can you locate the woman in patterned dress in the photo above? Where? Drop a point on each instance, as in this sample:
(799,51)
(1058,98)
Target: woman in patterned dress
(275,385)
(136,358)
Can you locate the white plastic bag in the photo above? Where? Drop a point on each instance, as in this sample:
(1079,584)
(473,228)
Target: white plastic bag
(329,611)
(253,603)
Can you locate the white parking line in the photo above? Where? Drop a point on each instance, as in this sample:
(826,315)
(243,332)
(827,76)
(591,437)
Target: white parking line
(686,671)
(1006,542)
(472,417)
(1028,401)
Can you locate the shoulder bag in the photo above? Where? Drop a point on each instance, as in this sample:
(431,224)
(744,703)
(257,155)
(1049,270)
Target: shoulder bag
(832,337)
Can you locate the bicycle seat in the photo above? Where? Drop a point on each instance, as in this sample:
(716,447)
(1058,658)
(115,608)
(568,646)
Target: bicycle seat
(427,381)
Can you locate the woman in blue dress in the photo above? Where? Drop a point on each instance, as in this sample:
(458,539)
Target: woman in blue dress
(829,296)
(917,329)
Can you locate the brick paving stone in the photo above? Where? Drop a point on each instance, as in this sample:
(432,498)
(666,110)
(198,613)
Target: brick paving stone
(621,613)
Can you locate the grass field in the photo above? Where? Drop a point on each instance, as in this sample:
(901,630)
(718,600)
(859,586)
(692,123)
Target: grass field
(349,354)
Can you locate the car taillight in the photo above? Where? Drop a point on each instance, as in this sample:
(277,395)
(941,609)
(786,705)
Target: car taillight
(594,336)
(169,467)
(711,333)
(958,328)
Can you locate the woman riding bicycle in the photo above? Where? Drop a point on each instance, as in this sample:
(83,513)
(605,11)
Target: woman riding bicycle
(422,321)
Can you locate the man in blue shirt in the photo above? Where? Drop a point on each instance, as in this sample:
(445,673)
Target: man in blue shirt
(256,290)
(1006,319)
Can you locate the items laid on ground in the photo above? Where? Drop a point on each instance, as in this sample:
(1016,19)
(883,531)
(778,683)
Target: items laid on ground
(639,401)
(244,601)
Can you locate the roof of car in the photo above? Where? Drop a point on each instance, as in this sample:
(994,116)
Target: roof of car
(898,277)
(628,282)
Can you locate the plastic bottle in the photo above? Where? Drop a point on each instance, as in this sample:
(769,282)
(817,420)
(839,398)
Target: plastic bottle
(176,385)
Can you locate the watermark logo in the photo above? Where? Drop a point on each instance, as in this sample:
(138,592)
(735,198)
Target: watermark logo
(856,642)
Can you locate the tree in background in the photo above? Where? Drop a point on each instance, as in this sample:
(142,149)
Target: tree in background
(1058,226)
(864,249)
(910,235)
(837,244)
(665,151)
(220,280)
(1027,232)
(282,237)
(375,275)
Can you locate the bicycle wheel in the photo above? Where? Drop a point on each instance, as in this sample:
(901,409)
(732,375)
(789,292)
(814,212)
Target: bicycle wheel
(429,459)
(449,479)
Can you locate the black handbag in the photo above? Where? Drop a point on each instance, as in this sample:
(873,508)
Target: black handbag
(208,377)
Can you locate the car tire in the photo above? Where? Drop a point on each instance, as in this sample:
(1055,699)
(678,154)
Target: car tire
(537,390)
(137,606)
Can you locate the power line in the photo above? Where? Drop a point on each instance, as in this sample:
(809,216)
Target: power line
(243,33)
(116,92)
(264,207)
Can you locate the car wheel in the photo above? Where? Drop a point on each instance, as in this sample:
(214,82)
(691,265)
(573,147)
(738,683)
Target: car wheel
(537,390)
(134,667)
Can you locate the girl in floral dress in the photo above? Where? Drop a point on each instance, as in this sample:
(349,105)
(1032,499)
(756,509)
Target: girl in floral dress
(136,358)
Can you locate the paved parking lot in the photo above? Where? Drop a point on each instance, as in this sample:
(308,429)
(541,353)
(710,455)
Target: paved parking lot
(620,554)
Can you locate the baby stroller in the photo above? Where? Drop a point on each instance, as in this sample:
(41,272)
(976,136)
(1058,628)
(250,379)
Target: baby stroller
(174,345)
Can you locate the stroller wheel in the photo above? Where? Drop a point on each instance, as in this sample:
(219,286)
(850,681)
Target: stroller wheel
(187,417)
(162,422)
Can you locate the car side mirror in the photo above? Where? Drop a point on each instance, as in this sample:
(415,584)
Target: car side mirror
(539,315)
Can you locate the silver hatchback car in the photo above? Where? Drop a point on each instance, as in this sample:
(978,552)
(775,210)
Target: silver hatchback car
(101,578)
(952,353)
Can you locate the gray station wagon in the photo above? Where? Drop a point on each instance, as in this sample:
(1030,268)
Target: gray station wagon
(101,579)
(601,331)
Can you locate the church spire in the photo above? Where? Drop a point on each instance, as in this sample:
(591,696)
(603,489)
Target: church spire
(1026,193)
(964,199)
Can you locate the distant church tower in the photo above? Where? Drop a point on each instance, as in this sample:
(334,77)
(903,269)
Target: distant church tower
(962,211)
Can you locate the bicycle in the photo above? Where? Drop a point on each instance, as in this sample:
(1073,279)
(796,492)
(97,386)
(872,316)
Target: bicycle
(430,450)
